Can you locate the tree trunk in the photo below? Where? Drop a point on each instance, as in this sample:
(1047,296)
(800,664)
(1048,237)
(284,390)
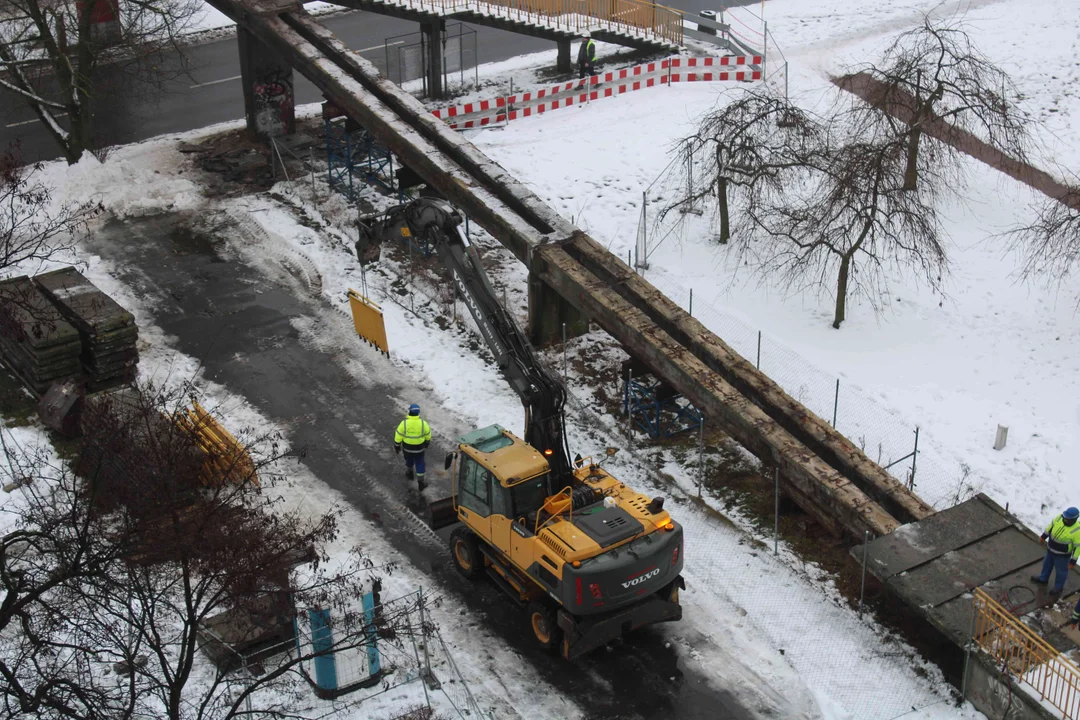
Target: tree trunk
(721,193)
(841,291)
(911,173)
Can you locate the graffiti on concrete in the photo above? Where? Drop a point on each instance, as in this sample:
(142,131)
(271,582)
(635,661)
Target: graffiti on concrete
(273,106)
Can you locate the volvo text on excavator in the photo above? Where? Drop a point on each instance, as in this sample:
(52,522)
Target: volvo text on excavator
(588,557)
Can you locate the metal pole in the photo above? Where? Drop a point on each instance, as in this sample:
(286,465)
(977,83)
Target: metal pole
(701,457)
(427,657)
(835,402)
(862,590)
(776,514)
(311,161)
(967,652)
(785,80)
(629,413)
(758,363)
(691,302)
(416,652)
(412,302)
(914,455)
(564,353)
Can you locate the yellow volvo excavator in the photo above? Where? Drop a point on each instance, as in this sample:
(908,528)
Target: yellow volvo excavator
(588,557)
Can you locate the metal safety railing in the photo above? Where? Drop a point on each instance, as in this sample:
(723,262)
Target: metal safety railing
(631,17)
(1023,654)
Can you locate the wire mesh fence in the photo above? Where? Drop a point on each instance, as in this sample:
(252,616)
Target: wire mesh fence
(887,438)
(407,60)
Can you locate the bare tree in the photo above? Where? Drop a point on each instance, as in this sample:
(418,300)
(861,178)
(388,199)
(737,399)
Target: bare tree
(853,221)
(934,75)
(754,143)
(57,57)
(119,562)
(31,229)
(1050,245)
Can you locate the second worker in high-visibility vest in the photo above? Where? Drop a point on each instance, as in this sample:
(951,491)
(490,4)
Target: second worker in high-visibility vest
(586,57)
(1062,540)
(412,437)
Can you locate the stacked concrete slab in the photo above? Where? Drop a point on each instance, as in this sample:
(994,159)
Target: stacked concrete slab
(108,331)
(36,341)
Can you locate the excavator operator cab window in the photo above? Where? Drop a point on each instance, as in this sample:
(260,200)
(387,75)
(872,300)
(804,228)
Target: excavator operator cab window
(529,496)
(475,483)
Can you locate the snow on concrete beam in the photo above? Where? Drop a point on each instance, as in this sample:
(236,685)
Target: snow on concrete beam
(832,497)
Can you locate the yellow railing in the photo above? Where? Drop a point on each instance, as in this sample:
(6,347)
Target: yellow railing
(1022,653)
(633,17)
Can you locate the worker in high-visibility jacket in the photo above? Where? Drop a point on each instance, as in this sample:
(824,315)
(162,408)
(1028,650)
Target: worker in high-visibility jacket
(586,57)
(412,437)
(1062,541)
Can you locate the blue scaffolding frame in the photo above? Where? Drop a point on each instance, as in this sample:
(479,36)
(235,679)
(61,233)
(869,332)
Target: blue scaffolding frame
(352,153)
(658,414)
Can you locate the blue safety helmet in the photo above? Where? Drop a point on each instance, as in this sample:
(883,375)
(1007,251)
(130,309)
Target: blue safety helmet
(1071,514)
(414,409)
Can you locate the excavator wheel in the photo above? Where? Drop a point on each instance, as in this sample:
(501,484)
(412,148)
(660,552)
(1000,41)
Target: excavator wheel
(466,554)
(543,624)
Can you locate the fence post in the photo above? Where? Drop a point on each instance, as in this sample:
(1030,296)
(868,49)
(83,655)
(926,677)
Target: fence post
(835,402)
(967,651)
(862,588)
(776,513)
(416,653)
(564,353)
(691,302)
(914,455)
(765,52)
(629,412)
(311,161)
(758,363)
(701,457)
(423,638)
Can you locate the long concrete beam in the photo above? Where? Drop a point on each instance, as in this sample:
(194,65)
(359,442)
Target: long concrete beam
(831,493)
(824,440)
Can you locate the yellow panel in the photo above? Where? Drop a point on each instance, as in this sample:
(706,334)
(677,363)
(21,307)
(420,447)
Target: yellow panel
(368,319)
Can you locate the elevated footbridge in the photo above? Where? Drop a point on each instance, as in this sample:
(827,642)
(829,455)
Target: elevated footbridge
(573,277)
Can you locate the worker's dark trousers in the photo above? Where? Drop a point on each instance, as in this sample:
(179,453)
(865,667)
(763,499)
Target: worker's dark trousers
(414,460)
(1059,564)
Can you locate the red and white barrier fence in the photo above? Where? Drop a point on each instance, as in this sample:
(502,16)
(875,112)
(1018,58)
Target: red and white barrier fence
(617,82)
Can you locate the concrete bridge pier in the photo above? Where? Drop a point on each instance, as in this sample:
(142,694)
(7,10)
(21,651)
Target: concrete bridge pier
(564,63)
(267,78)
(547,313)
(433,38)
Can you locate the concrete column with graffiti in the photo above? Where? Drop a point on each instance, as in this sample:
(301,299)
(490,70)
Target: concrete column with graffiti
(269,100)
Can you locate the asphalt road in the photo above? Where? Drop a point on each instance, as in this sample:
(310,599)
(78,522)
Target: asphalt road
(265,333)
(211,94)
(210,90)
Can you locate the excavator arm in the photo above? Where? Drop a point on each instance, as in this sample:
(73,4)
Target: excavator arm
(542,393)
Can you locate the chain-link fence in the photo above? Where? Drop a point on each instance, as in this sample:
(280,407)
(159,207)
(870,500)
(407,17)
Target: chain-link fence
(888,439)
(407,60)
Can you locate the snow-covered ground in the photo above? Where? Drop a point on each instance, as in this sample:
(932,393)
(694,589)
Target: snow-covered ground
(991,351)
